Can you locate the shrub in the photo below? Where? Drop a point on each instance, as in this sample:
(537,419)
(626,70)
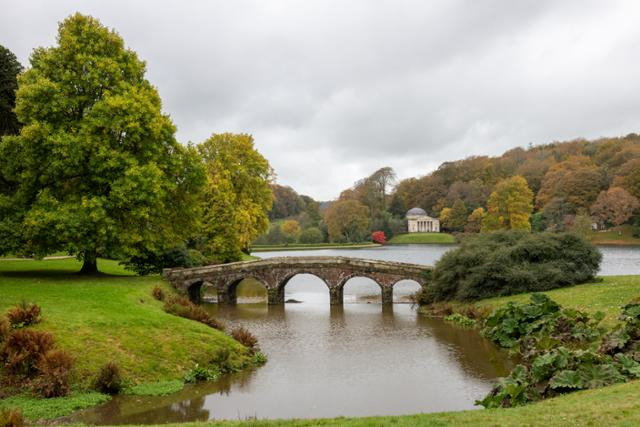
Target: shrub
(246,338)
(181,306)
(109,380)
(259,359)
(54,369)
(11,418)
(311,235)
(154,262)
(24,314)
(200,373)
(378,237)
(558,350)
(5,329)
(158,293)
(510,262)
(23,349)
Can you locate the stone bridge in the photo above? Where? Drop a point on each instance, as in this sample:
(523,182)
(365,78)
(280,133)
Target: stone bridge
(275,273)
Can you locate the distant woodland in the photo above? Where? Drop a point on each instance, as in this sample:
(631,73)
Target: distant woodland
(575,185)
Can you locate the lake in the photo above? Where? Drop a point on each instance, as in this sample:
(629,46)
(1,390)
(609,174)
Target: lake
(356,360)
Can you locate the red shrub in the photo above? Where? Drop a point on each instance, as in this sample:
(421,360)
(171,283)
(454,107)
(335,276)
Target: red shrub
(24,315)
(23,349)
(378,237)
(54,369)
(246,338)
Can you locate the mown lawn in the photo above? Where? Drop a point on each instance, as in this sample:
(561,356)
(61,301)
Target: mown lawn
(422,238)
(622,235)
(111,317)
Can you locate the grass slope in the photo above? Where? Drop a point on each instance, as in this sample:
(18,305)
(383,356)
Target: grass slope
(111,317)
(422,238)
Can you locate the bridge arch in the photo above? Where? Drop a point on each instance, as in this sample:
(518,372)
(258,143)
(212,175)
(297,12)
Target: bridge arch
(275,273)
(404,289)
(314,280)
(366,283)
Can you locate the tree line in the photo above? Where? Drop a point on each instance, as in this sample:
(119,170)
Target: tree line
(90,165)
(561,186)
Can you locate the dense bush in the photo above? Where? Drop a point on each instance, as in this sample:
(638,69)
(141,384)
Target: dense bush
(510,262)
(181,306)
(11,418)
(246,338)
(561,350)
(158,293)
(23,349)
(151,262)
(109,380)
(311,235)
(24,314)
(54,370)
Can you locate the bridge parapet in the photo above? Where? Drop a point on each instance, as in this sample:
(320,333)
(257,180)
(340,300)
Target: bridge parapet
(274,273)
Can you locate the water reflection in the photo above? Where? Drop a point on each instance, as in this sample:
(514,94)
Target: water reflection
(324,361)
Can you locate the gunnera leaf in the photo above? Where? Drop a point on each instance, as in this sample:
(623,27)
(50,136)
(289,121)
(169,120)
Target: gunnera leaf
(567,379)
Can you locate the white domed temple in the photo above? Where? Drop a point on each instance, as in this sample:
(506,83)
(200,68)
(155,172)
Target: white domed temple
(419,222)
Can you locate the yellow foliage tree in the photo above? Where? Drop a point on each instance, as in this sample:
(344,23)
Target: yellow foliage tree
(509,206)
(238,195)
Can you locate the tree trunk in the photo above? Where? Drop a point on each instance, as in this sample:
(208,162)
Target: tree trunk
(90,264)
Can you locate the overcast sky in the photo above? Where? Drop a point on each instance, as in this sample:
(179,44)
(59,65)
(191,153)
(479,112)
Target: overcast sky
(333,90)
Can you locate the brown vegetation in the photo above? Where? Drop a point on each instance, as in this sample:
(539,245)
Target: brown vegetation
(158,293)
(109,380)
(54,370)
(246,338)
(181,306)
(23,349)
(11,418)
(24,314)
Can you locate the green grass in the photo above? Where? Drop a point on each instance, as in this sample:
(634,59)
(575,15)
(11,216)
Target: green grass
(622,235)
(159,388)
(35,409)
(111,317)
(422,238)
(606,296)
(312,246)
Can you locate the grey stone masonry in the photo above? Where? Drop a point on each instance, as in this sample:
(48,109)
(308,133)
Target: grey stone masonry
(274,273)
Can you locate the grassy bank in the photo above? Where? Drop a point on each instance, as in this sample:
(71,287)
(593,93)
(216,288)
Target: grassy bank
(422,238)
(311,246)
(612,406)
(111,317)
(622,235)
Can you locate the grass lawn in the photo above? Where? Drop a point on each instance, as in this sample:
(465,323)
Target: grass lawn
(422,238)
(111,317)
(622,235)
(607,296)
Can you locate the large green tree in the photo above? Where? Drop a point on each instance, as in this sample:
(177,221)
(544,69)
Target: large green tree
(509,206)
(238,195)
(96,169)
(9,70)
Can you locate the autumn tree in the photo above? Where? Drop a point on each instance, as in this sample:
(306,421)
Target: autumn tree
(474,221)
(347,221)
(96,169)
(577,180)
(291,230)
(628,177)
(455,217)
(238,196)
(614,206)
(9,70)
(509,206)
(286,202)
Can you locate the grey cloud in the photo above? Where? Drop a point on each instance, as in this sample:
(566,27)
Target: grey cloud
(332,90)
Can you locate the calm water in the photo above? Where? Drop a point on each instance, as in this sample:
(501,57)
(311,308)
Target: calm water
(359,359)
